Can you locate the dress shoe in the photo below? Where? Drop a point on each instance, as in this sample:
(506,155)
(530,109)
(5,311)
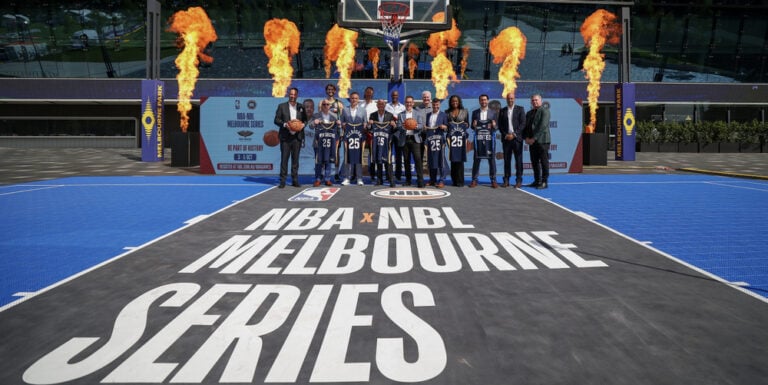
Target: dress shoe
(328,183)
(505,184)
(421,184)
(494,184)
(518,184)
(440,185)
(534,184)
(542,186)
(473,184)
(407,183)
(392,184)
(316,184)
(281,185)
(296,184)
(430,183)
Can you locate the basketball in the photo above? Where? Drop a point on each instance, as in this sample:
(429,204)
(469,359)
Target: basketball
(410,124)
(295,125)
(271,138)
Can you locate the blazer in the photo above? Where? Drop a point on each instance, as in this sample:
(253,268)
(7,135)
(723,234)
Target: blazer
(283,115)
(537,125)
(476,116)
(360,116)
(388,117)
(518,122)
(442,119)
(419,127)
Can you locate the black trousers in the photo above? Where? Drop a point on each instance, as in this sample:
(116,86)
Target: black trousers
(413,150)
(540,161)
(457,173)
(398,158)
(513,147)
(290,149)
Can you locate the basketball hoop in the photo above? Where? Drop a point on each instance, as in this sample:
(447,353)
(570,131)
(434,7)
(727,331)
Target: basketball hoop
(392,16)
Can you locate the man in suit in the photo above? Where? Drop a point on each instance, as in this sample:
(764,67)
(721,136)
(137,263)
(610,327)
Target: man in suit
(538,138)
(290,141)
(395,108)
(413,142)
(354,121)
(484,118)
(436,122)
(382,150)
(511,124)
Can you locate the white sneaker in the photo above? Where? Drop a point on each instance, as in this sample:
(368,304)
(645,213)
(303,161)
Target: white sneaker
(345,182)
(359,182)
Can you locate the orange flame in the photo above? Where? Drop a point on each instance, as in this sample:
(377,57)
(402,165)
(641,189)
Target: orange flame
(464,60)
(373,56)
(282,39)
(442,68)
(508,47)
(196,32)
(340,46)
(413,54)
(598,28)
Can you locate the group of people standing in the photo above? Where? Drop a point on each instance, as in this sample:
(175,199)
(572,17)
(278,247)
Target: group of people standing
(412,133)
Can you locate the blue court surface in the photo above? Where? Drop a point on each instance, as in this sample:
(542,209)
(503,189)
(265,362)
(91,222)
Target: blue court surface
(56,229)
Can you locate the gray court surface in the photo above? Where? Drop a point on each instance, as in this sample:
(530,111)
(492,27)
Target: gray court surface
(383,286)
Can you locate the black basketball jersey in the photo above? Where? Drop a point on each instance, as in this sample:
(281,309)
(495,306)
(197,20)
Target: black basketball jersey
(434,139)
(485,143)
(354,138)
(325,137)
(381,142)
(457,141)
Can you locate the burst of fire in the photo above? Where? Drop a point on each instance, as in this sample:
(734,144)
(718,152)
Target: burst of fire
(413,54)
(597,29)
(195,33)
(464,60)
(508,48)
(282,38)
(442,68)
(340,46)
(373,56)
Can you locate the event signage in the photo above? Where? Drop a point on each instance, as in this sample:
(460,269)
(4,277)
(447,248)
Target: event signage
(152,121)
(310,294)
(625,122)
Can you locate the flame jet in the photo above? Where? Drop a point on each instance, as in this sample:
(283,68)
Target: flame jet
(597,29)
(283,38)
(413,54)
(508,48)
(464,60)
(373,56)
(195,33)
(340,46)
(442,68)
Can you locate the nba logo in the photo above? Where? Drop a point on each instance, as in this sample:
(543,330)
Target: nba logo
(315,194)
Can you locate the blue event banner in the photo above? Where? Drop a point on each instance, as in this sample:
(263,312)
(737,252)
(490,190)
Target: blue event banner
(152,121)
(625,122)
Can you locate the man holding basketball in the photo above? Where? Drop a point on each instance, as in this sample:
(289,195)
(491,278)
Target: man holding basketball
(290,117)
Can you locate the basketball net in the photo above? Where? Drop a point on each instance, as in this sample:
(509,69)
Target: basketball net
(392,16)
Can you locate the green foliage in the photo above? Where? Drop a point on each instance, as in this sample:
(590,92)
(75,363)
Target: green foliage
(701,132)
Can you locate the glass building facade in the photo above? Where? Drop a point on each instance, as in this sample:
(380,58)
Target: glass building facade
(699,42)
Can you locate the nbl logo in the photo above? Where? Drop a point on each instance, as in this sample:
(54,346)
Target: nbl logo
(410,194)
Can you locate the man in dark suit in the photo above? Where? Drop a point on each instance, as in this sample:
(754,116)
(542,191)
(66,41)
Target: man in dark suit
(511,125)
(290,141)
(484,116)
(538,138)
(413,142)
(383,151)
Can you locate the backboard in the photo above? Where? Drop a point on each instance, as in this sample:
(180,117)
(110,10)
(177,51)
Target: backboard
(363,16)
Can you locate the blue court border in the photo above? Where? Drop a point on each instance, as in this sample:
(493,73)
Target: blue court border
(55,229)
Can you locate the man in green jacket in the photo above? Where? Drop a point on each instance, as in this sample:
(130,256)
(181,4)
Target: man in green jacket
(538,139)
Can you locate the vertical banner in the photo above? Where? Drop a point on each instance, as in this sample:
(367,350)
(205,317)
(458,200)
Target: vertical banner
(152,121)
(625,121)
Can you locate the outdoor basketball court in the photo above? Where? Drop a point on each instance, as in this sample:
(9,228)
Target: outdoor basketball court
(365,285)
